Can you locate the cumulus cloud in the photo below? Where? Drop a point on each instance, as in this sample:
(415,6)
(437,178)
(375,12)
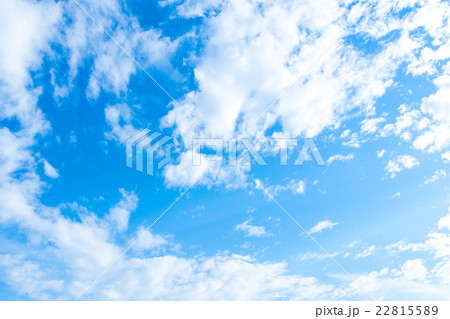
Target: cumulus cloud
(253,52)
(250,41)
(414,270)
(400,163)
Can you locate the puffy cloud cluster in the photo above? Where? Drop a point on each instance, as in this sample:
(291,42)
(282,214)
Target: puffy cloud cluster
(255,52)
(259,52)
(72,252)
(400,163)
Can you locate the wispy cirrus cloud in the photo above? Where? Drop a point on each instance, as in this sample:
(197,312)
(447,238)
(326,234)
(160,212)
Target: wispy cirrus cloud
(436,176)
(340,158)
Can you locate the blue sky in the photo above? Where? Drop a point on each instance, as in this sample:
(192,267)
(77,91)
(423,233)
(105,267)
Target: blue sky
(368,82)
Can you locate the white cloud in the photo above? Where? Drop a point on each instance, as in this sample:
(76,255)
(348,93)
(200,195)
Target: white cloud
(209,172)
(446,157)
(49,170)
(402,246)
(391,284)
(316,256)
(437,104)
(414,270)
(222,277)
(325,224)
(400,163)
(146,240)
(112,68)
(26,27)
(396,195)
(381,153)
(296,187)
(366,253)
(436,242)
(119,215)
(251,230)
(437,135)
(436,176)
(190,9)
(371,125)
(351,139)
(119,118)
(414,280)
(27,276)
(444,222)
(339,157)
(246,42)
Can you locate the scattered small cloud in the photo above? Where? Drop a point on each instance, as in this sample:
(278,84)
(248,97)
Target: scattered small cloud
(119,118)
(340,157)
(296,187)
(400,163)
(325,224)
(436,176)
(381,153)
(316,256)
(446,157)
(351,139)
(49,170)
(371,125)
(366,253)
(252,230)
(73,137)
(119,214)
